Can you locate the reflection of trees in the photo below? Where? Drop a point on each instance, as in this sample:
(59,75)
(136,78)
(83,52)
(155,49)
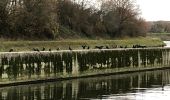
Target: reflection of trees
(87,88)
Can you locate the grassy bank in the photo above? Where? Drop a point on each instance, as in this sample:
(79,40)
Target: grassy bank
(76,44)
(162,36)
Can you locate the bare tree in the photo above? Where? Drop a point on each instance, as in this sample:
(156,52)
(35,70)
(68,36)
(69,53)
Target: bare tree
(118,15)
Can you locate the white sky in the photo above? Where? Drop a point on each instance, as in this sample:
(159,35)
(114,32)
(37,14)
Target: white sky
(154,10)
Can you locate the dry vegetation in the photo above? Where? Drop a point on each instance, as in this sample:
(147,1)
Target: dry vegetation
(51,19)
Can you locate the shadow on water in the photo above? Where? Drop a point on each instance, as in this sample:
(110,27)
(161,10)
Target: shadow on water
(90,88)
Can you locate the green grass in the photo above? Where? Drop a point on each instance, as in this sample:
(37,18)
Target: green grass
(76,44)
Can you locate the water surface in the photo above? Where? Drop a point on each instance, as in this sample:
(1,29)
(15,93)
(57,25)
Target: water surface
(152,85)
(167,43)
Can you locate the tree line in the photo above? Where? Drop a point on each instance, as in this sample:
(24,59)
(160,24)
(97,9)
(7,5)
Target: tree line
(46,19)
(159,27)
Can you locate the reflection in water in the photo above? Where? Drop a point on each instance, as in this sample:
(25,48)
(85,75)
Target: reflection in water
(135,86)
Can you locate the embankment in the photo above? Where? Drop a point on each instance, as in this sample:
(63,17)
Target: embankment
(31,67)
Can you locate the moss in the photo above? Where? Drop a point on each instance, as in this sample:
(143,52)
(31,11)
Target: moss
(54,63)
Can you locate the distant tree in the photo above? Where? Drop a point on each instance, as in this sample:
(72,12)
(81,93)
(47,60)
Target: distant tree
(160,27)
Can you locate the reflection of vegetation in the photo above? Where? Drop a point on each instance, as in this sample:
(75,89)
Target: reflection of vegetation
(88,88)
(54,63)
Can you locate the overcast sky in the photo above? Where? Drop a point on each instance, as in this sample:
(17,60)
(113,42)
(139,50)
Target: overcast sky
(153,10)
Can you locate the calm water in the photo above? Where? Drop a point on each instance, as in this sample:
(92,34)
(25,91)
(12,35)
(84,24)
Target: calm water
(153,85)
(167,43)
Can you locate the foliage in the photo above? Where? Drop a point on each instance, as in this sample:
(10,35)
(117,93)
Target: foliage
(118,18)
(40,19)
(29,18)
(4,21)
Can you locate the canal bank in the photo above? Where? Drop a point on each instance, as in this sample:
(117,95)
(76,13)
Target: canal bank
(32,67)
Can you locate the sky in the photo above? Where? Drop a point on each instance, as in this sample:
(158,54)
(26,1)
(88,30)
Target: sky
(154,10)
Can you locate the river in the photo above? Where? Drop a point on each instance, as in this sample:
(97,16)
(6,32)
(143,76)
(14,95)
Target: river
(167,43)
(150,85)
